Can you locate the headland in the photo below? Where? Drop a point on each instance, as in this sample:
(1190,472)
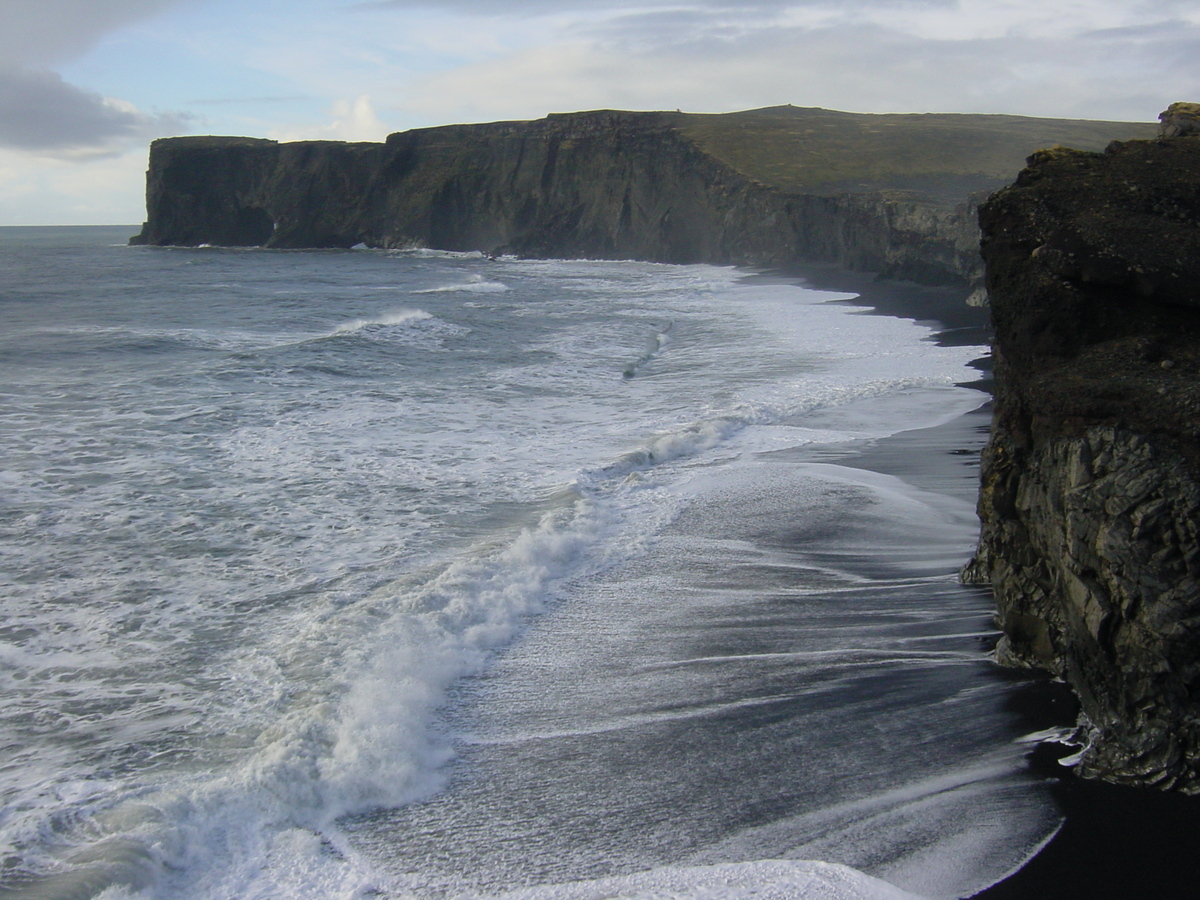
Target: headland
(894,195)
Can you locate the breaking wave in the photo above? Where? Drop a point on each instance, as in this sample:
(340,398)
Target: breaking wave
(399,317)
(475,284)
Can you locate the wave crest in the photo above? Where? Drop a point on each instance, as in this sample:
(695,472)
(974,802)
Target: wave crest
(387,320)
(476,284)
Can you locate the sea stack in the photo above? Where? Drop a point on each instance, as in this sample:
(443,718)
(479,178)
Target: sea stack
(1090,496)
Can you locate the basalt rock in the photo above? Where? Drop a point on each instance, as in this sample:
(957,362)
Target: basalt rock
(888,194)
(1179,120)
(1090,499)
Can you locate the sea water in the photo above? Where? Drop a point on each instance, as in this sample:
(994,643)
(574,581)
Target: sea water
(388,574)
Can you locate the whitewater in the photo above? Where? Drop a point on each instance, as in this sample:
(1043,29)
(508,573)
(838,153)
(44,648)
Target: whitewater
(342,574)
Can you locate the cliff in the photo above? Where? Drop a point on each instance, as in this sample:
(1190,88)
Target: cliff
(889,194)
(1090,500)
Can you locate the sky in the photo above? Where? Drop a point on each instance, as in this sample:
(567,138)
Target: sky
(85,85)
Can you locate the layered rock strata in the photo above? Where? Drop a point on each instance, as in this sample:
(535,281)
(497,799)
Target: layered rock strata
(767,187)
(1090,499)
(604,185)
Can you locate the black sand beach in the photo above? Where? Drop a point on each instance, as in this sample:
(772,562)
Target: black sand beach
(1115,841)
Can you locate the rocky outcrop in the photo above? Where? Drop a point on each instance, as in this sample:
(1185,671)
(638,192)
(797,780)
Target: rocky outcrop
(1179,120)
(246,192)
(1090,499)
(664,187)
(604,184)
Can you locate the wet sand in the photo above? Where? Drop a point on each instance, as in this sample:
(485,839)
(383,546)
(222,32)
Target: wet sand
(1116,841)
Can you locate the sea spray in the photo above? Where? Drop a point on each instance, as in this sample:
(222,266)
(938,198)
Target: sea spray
(274,521)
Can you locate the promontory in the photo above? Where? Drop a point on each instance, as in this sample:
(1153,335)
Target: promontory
(1090,499)
(893,194)
(1090,503)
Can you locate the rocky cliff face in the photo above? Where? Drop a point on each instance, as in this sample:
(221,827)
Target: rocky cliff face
(602,184)
(1090,503)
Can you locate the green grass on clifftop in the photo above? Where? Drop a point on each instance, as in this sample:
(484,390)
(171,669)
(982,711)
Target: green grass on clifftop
(944,155)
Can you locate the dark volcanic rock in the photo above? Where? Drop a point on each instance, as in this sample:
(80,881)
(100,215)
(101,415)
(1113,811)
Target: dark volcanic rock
(600,184)
(247,192)
(890,194)
(1090,501)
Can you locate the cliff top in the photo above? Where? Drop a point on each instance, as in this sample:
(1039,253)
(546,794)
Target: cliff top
(1093,261)
(946,155)
(942,156)
(202,141)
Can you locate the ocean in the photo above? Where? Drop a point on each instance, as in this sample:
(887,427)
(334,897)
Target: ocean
(349,574)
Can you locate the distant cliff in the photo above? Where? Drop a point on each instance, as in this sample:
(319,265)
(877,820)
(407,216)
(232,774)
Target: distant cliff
(1090,503)
(889,194)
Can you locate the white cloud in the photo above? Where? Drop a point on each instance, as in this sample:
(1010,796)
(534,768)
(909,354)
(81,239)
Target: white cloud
(38,190)
(1111,73)
(345,65)
(353,120)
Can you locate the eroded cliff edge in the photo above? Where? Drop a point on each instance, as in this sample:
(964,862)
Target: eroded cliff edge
(1090,500)
(888,194)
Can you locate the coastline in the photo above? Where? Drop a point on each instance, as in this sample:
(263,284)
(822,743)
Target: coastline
(1115,841)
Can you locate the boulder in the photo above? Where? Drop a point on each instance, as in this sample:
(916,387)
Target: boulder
(1179,120)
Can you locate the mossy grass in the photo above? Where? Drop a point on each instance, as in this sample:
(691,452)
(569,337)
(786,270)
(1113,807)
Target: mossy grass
(944,155)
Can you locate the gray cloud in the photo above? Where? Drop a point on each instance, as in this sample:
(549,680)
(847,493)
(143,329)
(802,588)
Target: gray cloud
(40,112)
(1128,73)
(1080,71)
(46,32)
(748,8)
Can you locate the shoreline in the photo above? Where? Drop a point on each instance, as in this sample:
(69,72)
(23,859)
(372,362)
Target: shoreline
(1115,841)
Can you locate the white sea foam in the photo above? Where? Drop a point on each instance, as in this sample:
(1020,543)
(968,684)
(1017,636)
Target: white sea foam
(248,582)
(357,685)
(427,253)
(474,284)
(333,749)
(928,837)
(657,345)
(763,880)
(398,317)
